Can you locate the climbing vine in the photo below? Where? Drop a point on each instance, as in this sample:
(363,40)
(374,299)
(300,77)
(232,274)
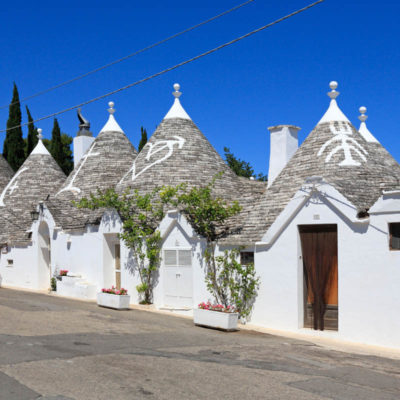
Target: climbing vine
(230,283)
(141,215)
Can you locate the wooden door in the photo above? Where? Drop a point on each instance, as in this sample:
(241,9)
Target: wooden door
(320,266)
(117,258)
(178,278)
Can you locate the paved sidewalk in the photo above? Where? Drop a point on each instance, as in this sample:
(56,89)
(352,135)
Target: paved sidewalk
(55,348)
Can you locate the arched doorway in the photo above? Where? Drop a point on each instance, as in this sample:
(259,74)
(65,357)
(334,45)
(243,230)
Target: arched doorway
(44,270)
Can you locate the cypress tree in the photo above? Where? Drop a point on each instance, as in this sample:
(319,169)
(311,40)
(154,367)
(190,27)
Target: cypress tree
(32,138)
(56,147)
(60,148)
(68,161)
(13,148)
(143,139)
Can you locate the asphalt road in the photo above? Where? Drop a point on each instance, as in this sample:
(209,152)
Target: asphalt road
(53,348)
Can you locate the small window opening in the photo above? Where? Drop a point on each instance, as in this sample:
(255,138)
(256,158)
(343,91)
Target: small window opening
(246,257)
(394,231)
(10,263)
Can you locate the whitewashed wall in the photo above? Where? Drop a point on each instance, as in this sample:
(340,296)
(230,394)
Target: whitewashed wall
(23,273)
(178,234)
(368,277)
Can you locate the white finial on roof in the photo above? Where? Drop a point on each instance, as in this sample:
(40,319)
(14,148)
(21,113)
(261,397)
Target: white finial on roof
(333,94)
(177,111)
(112,124)
(177,93)
(111,110)
(40,147)
(363,117)
(363,130)
(334,113)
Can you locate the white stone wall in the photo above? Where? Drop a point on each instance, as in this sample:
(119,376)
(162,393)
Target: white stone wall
(368,277)
(177,238)
(23,273)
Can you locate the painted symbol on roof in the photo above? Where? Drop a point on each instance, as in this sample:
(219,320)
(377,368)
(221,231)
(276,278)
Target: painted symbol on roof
(12,185)
(70,187)
(347,144)
(154,148)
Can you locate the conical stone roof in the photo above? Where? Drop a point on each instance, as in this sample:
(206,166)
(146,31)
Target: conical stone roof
(6,173)
(178,152)
(338,153)
(37,178)
(102,167)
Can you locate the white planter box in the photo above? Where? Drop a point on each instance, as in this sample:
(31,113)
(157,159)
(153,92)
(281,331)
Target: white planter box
(113,301)
(215,319)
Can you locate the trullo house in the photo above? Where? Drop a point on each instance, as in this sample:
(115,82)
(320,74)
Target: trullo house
(25,253)
(79,242)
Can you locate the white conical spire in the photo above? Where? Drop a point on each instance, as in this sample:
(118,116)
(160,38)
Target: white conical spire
(40,148)
(364,132)
(112,124)
(177,111)
(334,113)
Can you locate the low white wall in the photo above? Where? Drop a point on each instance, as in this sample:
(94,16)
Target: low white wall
(23,273)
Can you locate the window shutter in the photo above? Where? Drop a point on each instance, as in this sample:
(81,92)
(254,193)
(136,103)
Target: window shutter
(185,258)
(170,257)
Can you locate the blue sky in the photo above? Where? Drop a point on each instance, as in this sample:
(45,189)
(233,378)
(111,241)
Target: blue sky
(278,76)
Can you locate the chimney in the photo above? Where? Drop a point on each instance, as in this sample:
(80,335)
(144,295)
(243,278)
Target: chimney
(83,140)
(284,143)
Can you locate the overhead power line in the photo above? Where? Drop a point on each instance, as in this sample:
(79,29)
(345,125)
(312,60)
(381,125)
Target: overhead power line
(98,69)
(173,67)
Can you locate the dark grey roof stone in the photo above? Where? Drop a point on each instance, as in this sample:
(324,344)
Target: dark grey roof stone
(359,184)
(177,153)
(38,177)
(108,159)
(6,173)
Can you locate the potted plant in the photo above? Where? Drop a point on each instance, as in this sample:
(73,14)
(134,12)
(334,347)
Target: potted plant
(216,316)
(233,286)
(63,272)
(118,299)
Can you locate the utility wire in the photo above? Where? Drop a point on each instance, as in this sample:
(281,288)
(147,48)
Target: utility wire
(130,55)
(171,68)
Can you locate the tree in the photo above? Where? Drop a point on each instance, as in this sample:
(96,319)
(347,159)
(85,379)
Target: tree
(143,138)
(32,138)
(68,161)
(56,147)
(13,148)
(240,167)
(232,285)
(60,148)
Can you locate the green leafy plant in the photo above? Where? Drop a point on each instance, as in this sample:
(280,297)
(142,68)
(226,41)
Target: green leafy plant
(53,284)
(230,283)
(140,215)
(237,284)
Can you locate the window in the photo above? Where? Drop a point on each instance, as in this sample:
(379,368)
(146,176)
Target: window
(10,263)
(246,257)
(394,231)
(181,258)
